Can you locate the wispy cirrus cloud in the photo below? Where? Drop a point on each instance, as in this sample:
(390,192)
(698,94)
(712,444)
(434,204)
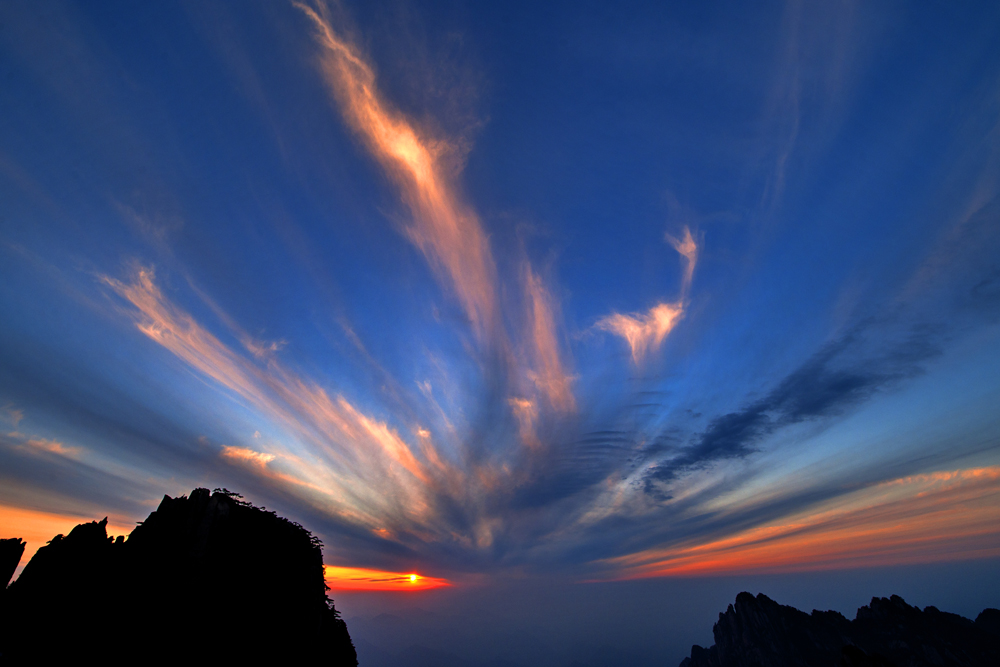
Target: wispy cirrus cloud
(360,464)
(645,332)
(932,517)
(34,444)
(12,414)
(53,447)
(688,249)
(250,456)
(446,229)
(519,456)
(526,413)
(338,459)
(550,375)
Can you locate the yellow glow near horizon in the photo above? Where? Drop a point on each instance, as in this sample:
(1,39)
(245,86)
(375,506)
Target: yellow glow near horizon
(363,579)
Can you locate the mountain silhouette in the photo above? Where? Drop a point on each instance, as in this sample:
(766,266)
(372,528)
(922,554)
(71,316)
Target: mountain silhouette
(759,632)
(204,577)
(11,551)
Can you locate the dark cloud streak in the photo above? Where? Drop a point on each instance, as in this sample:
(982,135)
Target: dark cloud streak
(838,377)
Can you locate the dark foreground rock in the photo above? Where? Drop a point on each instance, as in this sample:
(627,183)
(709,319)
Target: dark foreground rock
(11,551)
(759,632)
(205,578)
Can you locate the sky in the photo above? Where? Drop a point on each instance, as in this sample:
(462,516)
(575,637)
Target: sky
(636,299)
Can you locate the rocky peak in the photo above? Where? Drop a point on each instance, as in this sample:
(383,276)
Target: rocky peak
(759,632)
(205,576)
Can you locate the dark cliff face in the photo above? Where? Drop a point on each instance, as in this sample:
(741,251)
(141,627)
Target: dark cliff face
(205,577)
(759,632)
(989,620)
(11,551)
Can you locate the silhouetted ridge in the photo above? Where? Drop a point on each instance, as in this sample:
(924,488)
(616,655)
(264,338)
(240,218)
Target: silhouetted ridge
(759,632)
(989,620)
(11,551)
(205,577)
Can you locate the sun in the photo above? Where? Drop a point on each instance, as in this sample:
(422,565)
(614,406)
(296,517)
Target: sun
(361,579)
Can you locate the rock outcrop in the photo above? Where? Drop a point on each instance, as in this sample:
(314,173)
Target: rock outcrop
(989,620)
(205,577)
(759,632)
(11,551)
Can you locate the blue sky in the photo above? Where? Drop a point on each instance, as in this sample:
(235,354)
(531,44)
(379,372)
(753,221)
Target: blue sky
(483,291)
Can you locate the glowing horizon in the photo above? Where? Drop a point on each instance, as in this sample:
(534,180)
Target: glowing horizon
(938,517)
(362,579)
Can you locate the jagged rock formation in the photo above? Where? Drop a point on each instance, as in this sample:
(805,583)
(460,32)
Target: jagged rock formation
(11,551)
(205,577)
(759,632)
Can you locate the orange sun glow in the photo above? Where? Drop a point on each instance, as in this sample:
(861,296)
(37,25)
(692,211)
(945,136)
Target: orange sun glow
(362,579)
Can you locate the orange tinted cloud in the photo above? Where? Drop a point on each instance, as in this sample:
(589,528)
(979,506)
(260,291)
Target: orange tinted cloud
(37,444)
(643,331)
(526,413)
(390,442)
(448,232)
(54,447)
(360,579)
(246,455)
(549,375)
(178,332)
(924,518)
(359,463)
(689,250)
